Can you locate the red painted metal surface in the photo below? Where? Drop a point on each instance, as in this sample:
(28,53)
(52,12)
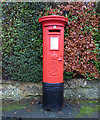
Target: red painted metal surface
(53,46)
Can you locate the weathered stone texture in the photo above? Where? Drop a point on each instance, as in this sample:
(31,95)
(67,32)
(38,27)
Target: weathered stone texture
(76,88)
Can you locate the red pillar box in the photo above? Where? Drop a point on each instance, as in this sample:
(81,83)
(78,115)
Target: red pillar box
(53,47)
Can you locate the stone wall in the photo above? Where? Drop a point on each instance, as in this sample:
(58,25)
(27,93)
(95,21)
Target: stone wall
(76,88)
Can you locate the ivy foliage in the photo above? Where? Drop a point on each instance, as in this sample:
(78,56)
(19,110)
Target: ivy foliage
(81,45)
(22,39)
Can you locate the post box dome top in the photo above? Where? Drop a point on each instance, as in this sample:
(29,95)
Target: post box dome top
(53,19)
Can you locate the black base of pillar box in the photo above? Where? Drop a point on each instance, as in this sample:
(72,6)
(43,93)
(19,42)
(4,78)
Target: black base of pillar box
(52,96)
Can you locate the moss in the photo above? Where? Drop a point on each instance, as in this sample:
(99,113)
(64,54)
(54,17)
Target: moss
(89,101)
(16,106)
(85,111)
(0,109)
(94,102)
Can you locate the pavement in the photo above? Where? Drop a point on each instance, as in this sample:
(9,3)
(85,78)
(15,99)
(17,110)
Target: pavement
(32,108)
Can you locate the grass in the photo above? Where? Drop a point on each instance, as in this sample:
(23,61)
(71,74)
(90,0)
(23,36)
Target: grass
(16,106)
(86,111)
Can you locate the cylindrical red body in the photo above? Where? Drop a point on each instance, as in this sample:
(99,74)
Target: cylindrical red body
(53,47)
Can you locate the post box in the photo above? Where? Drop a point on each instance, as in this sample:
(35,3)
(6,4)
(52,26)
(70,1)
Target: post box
(53,47)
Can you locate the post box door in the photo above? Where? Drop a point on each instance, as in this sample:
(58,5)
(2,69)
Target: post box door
(53,56)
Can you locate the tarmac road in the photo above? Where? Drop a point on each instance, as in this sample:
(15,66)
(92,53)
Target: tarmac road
(35,110)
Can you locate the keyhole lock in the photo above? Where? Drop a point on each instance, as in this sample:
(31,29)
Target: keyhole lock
(59,59)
